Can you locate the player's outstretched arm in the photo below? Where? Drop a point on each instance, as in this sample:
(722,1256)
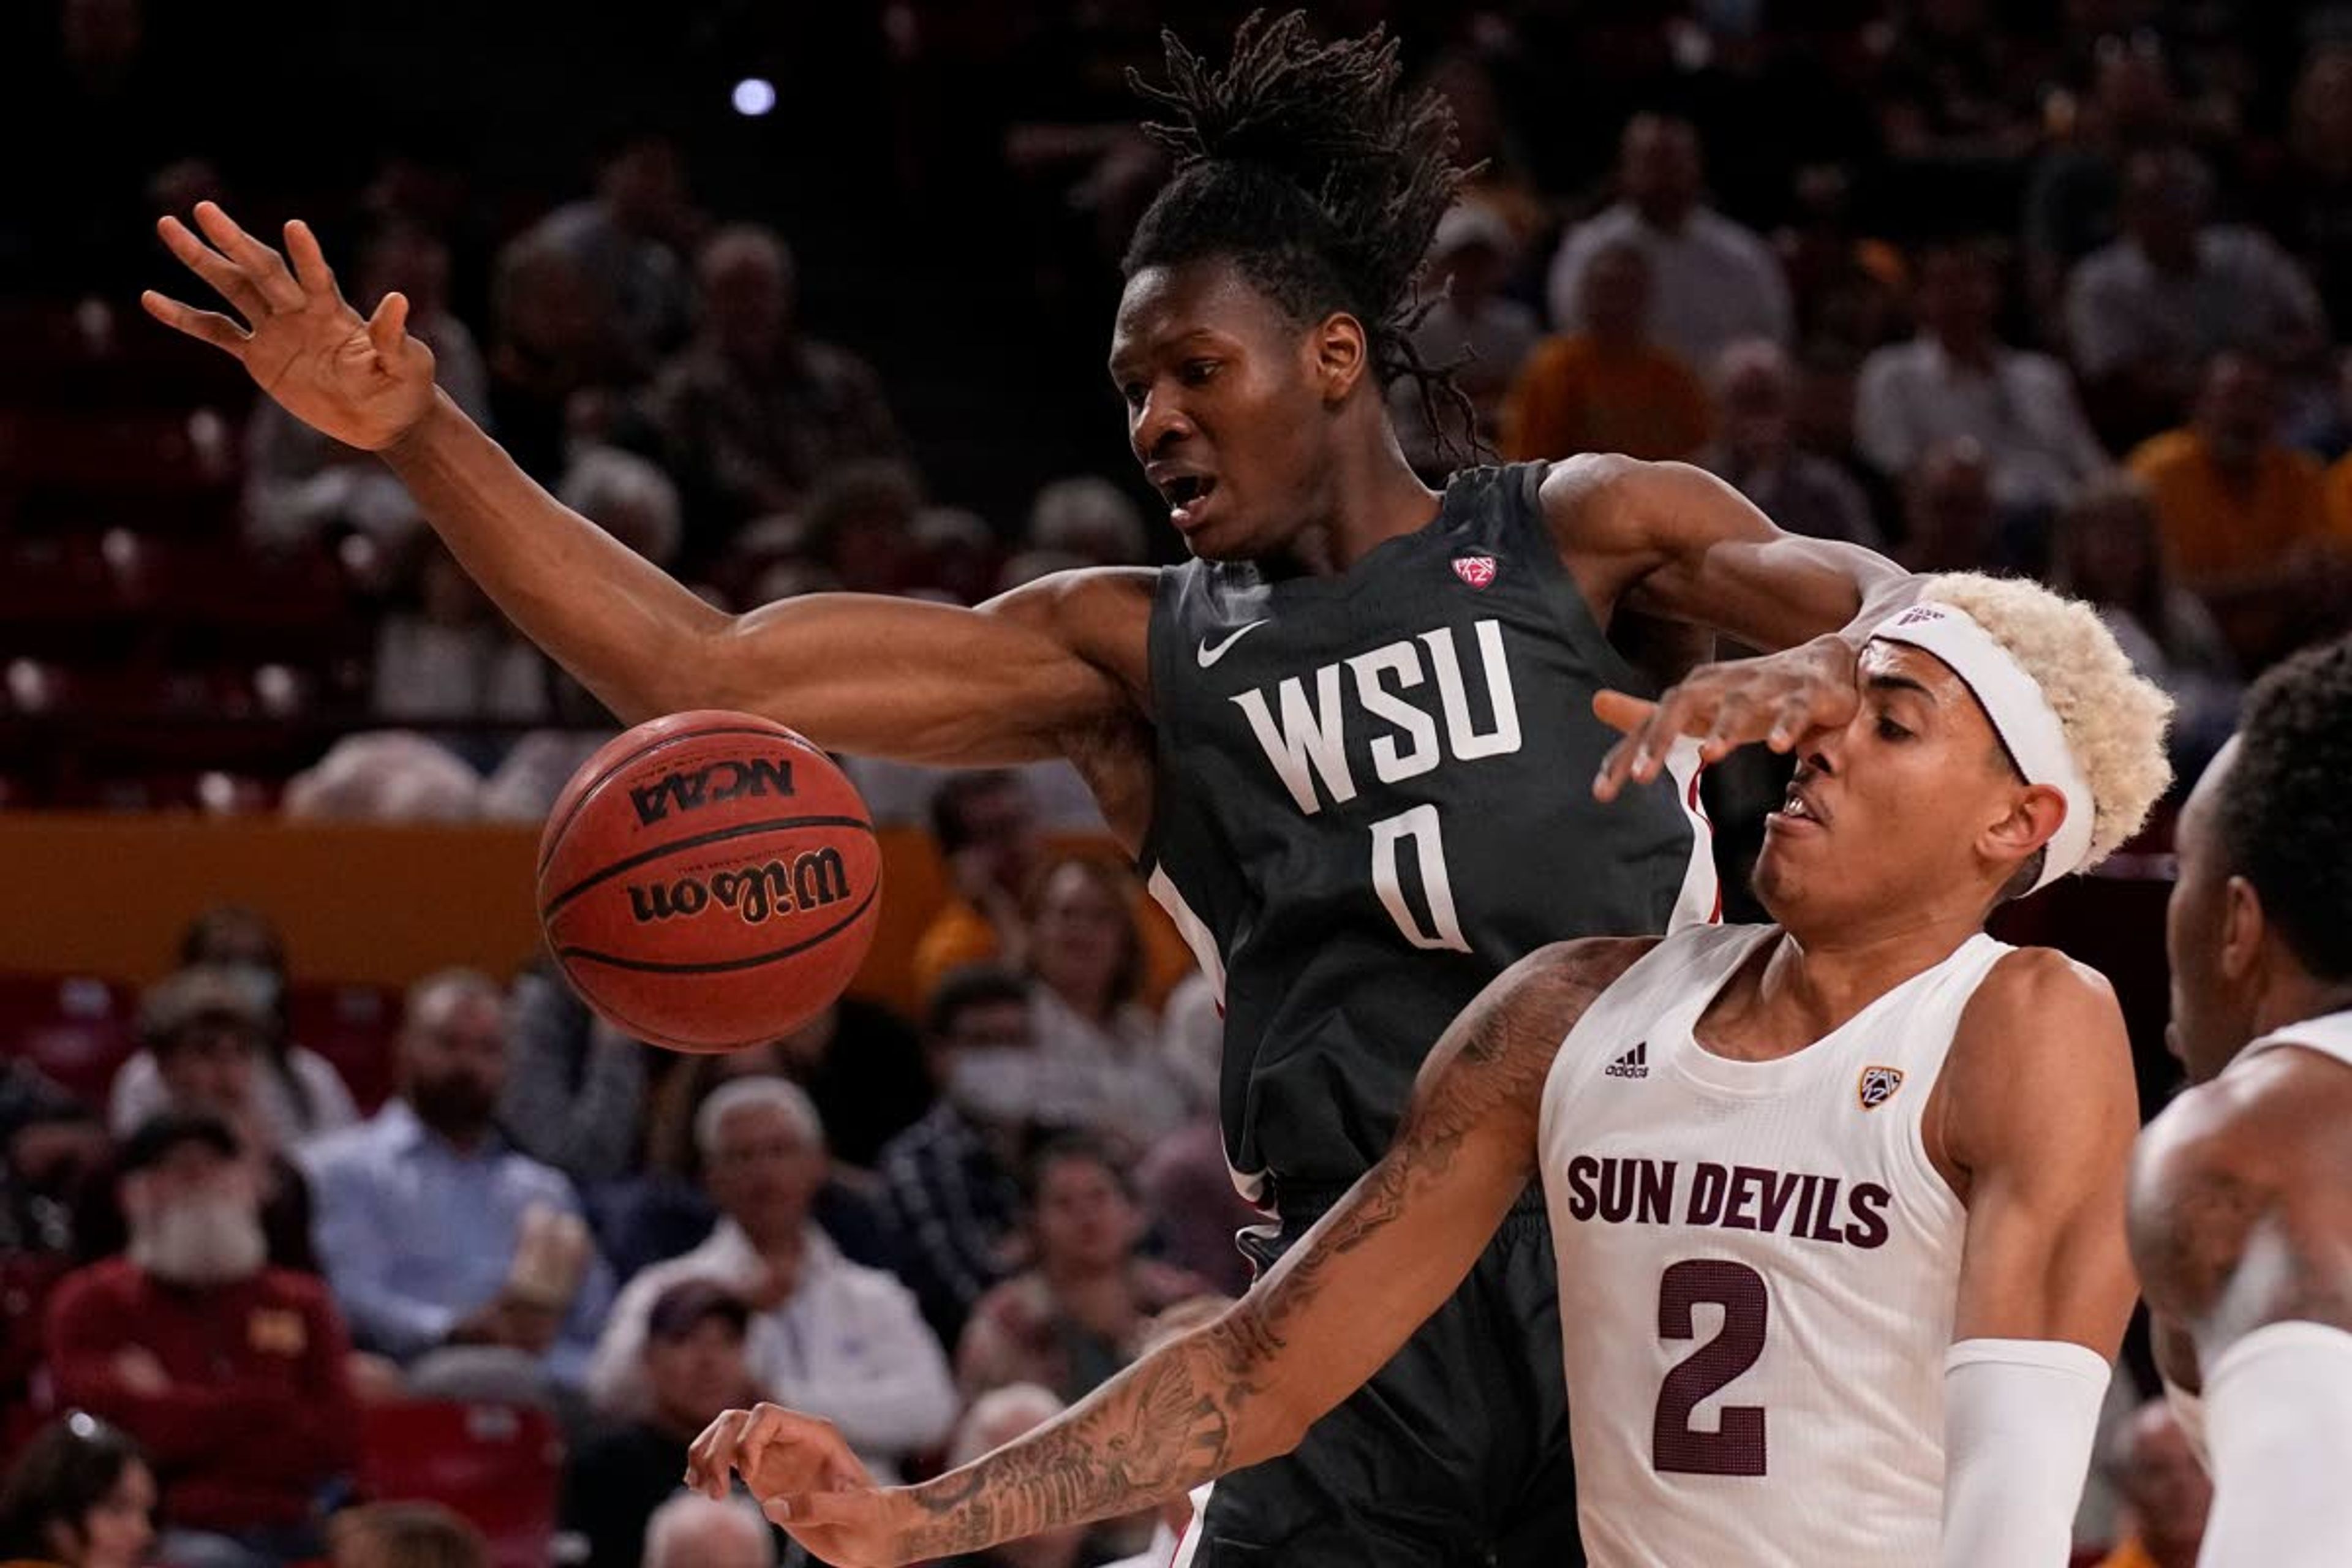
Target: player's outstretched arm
(1032,675)
(1246,1387)
(2033,1121)
(2242,1230)
(1673,541)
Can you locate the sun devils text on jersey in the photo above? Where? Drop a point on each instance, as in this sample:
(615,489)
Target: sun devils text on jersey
(1758,1267)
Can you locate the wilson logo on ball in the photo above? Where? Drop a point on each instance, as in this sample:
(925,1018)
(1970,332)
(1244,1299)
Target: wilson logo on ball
(755,893)
(730,779)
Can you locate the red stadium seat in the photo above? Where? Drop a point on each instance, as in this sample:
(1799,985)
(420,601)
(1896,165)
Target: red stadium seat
(77,1029)
(498,1466)
(351,1026)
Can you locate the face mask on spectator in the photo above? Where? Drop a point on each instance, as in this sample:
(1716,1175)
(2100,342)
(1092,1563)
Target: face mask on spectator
(995,1084)
(210,1239)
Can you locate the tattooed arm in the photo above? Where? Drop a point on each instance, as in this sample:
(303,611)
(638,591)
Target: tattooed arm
(2242,1229)
(1246,1387)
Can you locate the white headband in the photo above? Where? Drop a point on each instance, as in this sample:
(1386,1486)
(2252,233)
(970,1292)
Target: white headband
(2027,726)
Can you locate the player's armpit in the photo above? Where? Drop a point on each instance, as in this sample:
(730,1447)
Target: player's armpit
(2033,1123)
(2240,1217)
(1340,1303)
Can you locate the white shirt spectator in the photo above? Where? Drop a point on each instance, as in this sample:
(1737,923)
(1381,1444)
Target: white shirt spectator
(139,1094)
(849,1344)
(2023,411)
(2244,294)
(1713,281)
(1118,1082)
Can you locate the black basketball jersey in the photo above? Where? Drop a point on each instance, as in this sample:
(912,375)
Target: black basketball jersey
(1374,792)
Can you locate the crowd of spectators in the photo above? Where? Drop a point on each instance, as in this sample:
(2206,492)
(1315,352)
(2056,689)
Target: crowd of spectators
(2058,289)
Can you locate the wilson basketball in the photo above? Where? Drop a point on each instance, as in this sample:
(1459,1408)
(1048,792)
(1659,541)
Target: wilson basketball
(708,881)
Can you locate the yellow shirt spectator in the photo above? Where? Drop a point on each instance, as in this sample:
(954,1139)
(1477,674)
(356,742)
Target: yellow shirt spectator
(1578,394)
(2218,525)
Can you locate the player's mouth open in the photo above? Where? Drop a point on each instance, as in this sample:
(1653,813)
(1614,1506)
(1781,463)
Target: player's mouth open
(1798,807)
(1185,494)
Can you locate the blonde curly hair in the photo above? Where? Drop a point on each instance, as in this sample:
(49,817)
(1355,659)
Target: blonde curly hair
(2114,719)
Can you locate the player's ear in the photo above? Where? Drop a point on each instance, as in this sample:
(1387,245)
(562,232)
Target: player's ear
(2032,821)
(2244,927)
(1343,354)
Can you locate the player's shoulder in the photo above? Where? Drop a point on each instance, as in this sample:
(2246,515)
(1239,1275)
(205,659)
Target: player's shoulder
(2039,986)
(1567,975)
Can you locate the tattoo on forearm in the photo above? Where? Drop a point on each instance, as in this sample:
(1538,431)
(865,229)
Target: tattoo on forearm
(1184,1415)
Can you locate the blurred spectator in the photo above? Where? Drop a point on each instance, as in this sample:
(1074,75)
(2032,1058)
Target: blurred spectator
(1755,386)
(860,521)
(1957,379)
(216,1021)
(2310,207)
(50,1143)
(694,1367)
(827,1335)
(2076,187)
(625,242)
(2145,313)
(301,485)
(1608,387)
(1089,516)
(231,1374)
(1472,326)
(545,346)
(626,496)
(2164,1491)
(2107,549)
(1076,1318)
(1715,281)
(449,654)
(575,1086)
(691,1532)
(958,550)
(995,1419)
(1955,85)
(1949,520)
(405,1535)
(754,412)
(450,1252)
(2234,503)
(79,1496)
(666,1211)
(1186,1186)
(203,1029)
(1822,421)
(987,833)
(949,1181)
(1848,289)
(1098,1060)
(1485,143)
(298,1092)
(864,1068)
(385,776)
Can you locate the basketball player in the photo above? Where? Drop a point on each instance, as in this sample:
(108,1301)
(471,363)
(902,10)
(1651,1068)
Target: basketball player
(1350,743)
(2241,1199)
(1838,1202)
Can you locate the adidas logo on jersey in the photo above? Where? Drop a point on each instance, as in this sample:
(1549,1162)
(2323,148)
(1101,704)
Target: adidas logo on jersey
(1634,1063)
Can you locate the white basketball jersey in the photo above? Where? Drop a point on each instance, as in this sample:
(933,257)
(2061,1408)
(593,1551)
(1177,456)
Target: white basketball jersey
(1757,1266)
(2330,1035)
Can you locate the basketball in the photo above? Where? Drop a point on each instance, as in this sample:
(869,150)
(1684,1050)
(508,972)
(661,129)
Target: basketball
(708,881)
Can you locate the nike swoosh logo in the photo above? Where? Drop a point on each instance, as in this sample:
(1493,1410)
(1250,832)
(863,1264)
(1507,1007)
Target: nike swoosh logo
(1210,655)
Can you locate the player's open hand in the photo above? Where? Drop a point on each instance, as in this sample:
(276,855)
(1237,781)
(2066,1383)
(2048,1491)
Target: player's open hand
(363,382)
(1776,698)
(805,1479)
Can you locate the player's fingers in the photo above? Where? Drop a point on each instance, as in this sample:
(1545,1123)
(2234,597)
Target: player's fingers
(1792,719)
(1736,722)
(310,268)
(204,326)
(1628,715)
(389,325)
(1620,711)
(709,1457)
(264,265)
(1685,710)
(227,279)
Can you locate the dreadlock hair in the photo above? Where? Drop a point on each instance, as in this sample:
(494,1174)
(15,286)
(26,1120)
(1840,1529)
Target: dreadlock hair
(1306,166)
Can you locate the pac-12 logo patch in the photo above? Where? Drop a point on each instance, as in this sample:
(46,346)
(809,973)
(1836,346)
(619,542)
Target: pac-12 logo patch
(1878,1086)
(1476,570)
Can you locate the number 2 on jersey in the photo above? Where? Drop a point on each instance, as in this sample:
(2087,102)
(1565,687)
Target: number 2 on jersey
(1443,927)
(1736,1447)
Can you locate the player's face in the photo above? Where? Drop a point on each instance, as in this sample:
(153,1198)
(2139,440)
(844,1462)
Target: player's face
(2212,1015)
(1226,407)
(1912,795)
